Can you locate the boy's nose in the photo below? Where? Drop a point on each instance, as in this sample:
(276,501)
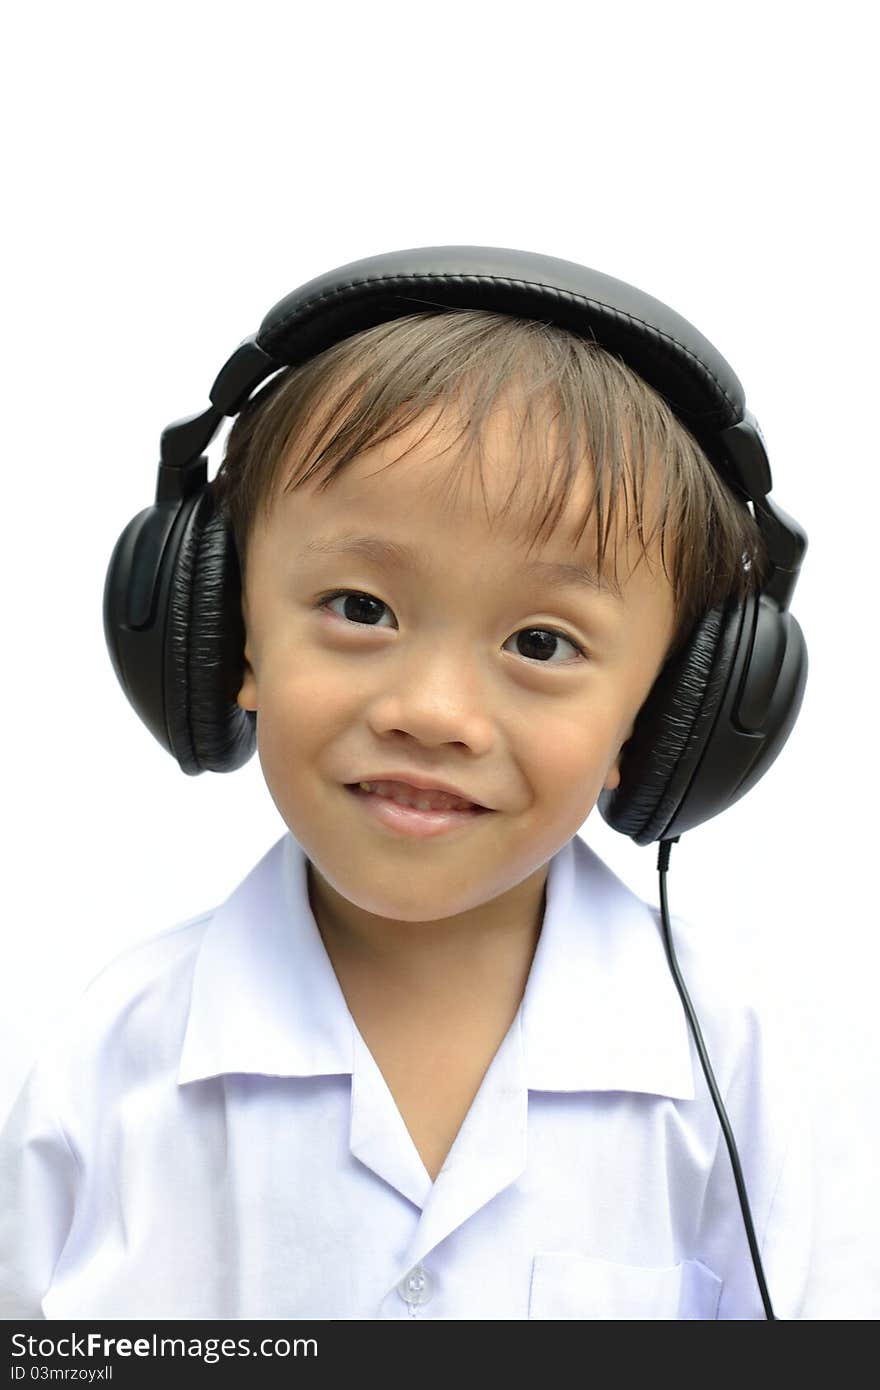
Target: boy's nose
(437,700)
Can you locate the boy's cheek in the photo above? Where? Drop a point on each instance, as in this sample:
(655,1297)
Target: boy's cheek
(299,715)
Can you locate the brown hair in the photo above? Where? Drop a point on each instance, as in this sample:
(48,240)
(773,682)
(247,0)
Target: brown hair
(365,389)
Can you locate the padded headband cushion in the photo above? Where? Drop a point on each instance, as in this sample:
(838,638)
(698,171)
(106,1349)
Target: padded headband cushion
(662,346)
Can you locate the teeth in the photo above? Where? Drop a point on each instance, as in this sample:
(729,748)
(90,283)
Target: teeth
(427,801)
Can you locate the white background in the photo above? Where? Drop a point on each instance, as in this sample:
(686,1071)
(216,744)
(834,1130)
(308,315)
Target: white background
(171,171)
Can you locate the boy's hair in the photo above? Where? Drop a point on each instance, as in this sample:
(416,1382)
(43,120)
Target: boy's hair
(310,420)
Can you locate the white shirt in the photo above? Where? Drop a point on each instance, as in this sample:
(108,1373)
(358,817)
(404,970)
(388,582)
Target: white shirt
(208,1135)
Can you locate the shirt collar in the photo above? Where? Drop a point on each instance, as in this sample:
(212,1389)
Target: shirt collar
(600,1009)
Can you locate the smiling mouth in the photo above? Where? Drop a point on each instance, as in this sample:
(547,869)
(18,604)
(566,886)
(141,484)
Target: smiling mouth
(416,799)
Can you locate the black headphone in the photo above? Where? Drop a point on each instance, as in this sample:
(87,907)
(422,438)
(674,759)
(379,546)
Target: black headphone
(720,710)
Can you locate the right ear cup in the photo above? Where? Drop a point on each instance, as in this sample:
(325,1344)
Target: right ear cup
(204,648)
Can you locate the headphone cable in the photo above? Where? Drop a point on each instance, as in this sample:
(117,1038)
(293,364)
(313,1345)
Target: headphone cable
(663,865)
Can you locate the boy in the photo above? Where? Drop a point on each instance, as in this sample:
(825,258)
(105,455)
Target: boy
(428,1059)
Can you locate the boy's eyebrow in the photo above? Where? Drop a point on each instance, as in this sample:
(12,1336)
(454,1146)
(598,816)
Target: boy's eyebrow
(396,554)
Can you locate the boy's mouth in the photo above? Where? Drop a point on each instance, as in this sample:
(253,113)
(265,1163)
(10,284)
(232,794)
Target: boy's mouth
(397,816)
(416,798)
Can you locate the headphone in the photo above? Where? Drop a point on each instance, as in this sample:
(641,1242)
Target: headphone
(720,710)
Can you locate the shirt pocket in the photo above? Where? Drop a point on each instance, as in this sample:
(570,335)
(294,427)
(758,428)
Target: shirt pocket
(577,1286)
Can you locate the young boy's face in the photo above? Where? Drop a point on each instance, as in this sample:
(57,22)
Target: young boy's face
(435,680)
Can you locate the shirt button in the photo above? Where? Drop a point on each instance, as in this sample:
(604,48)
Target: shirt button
(416,1287)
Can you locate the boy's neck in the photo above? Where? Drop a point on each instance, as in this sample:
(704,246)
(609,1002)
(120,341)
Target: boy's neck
(467,964)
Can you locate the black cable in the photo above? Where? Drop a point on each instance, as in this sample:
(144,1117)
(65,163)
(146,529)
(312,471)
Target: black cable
(663,865)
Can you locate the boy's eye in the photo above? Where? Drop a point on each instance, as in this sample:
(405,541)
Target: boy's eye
(364,610)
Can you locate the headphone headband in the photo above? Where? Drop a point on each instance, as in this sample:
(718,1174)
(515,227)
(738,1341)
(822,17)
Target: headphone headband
(658,343)
(667,351)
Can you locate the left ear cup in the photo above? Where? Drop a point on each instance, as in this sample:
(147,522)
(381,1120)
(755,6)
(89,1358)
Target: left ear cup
(660,760)
(204,648)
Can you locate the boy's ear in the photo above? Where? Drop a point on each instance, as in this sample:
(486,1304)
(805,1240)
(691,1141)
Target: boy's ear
(247,695)
(612,781)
